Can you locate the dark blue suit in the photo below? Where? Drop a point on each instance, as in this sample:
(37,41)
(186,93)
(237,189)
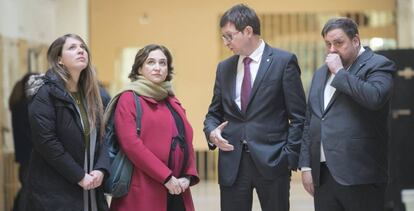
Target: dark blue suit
(272,124)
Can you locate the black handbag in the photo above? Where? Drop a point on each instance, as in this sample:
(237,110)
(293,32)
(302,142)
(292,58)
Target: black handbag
(118,182)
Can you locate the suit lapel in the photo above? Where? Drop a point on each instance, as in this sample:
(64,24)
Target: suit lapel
(263,67)
(334,96)
(361,61)
(232,77)
(321,91)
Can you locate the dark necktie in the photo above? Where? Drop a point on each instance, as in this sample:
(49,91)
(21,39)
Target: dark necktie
(246,87)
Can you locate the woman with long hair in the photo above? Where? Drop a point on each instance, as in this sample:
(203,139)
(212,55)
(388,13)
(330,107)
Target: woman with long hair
(68,162)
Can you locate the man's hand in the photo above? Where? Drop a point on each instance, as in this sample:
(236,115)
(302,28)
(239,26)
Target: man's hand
(334,62)
(218,140)
(308,182)
(173,186)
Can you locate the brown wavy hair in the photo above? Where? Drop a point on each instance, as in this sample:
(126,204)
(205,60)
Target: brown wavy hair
(142,55)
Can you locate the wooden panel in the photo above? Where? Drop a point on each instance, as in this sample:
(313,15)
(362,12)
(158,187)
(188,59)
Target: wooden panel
(1,127)
(207,164)
(11,180)
(23,56)
(42,59)
(8,173)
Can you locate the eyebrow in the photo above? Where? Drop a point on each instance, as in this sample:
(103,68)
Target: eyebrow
(151,58)
(339,39)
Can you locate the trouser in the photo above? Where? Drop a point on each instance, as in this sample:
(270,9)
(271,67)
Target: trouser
(332,196)
(273,194)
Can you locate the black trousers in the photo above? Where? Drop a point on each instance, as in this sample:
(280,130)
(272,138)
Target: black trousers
(332,196)
(273,194)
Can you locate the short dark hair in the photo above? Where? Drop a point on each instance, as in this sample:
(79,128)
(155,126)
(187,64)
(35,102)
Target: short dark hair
(241,16)
(346,24)
(142,55)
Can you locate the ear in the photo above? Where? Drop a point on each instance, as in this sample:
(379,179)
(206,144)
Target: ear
(140,70)
(248,30)
(60,61)
(356,41)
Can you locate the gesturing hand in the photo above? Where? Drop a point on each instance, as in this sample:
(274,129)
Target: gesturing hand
(216,138)
(173,186)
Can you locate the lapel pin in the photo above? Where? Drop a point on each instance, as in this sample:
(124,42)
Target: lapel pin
(268,60)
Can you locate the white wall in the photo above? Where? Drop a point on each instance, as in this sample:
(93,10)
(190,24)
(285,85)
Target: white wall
(405,21)
(36,22)
(42,21)
(72,17)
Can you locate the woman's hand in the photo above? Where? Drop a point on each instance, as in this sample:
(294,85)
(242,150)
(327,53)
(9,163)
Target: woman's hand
(97,178)
(184,183)
(87,182)
(173,186)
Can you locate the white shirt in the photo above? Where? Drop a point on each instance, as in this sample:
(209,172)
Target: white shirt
(256,57)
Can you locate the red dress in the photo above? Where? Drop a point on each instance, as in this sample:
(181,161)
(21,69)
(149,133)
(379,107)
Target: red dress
(150,152)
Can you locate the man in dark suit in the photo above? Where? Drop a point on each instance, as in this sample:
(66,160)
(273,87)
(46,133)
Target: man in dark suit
(344,150)
(256,116)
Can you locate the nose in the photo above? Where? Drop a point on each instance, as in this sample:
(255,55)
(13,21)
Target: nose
(81,50)
(332,49)
(157,66)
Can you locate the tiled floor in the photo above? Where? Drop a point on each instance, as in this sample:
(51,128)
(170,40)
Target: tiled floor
(206,197)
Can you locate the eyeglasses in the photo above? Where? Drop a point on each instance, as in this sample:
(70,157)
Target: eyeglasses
(229,37)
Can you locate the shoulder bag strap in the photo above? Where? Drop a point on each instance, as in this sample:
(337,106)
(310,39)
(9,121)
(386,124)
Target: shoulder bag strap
(138,113)
(180,138)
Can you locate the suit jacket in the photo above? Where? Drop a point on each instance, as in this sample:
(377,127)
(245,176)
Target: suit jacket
(353,127)
(273,122)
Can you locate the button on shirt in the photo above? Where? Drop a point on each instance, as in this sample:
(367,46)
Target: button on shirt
(256,57)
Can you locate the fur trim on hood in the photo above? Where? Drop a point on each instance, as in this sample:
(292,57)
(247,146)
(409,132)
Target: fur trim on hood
(33,85)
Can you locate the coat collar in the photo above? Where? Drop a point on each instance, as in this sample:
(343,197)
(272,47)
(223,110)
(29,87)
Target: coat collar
(57,85)
(361,60)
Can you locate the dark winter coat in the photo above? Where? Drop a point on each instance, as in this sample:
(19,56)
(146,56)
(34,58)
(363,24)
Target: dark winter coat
(57,162)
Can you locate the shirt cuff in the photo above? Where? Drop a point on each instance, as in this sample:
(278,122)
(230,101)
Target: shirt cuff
(305,169)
